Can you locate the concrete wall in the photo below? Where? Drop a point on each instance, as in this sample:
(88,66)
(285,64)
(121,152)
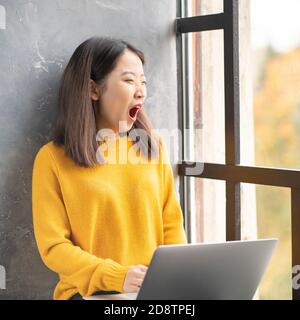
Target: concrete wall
(35,45)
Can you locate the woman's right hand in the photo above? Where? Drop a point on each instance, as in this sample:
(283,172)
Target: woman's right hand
(134,278)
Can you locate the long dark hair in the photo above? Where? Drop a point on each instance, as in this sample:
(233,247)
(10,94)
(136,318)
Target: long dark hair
(75,127)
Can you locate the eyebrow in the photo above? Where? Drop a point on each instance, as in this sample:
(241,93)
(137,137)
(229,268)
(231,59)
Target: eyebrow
(130,72)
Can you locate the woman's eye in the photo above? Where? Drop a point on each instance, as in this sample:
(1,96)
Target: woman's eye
(144,82)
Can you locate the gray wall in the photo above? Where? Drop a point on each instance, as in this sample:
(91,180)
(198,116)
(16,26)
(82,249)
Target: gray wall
(39,38)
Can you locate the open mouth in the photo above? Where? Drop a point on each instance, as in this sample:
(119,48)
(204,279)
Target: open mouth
(134,111)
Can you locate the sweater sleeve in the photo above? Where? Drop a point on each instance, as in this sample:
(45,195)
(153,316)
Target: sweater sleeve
(86,272)
(174,232)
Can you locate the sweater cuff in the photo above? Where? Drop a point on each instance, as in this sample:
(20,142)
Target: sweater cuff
(114,276)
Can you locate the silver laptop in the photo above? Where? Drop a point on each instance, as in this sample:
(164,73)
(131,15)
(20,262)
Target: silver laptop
(227,271)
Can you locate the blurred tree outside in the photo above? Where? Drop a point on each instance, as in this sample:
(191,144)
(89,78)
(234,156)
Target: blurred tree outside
(277,128)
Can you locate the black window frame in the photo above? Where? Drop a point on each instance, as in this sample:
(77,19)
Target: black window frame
(232,172)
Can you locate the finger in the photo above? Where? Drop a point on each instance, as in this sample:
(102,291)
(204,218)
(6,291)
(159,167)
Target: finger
(143,267)
(134,288)
(142,270)
(138,282)
(139,277)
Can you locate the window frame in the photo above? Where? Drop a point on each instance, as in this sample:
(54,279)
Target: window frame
(232,172)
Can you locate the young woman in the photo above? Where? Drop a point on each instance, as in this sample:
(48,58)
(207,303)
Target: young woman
(97,223)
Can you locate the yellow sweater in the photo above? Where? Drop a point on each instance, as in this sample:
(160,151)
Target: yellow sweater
(92,224)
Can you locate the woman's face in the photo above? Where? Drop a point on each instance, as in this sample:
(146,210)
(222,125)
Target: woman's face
(125,87)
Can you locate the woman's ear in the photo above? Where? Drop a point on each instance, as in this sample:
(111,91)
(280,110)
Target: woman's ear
(94,90)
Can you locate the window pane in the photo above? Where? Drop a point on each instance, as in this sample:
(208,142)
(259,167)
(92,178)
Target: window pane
(204,7)
(276,82)
(205,91)
(273,215)
(208,201)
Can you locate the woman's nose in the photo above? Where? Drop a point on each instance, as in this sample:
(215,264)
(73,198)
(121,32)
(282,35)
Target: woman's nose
(140,92)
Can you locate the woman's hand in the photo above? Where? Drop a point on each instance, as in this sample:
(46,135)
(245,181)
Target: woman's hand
(134,278)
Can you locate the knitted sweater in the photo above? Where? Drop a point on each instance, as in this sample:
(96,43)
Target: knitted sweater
(92,224)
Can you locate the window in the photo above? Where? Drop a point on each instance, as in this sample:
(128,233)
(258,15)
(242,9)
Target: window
(216,100)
